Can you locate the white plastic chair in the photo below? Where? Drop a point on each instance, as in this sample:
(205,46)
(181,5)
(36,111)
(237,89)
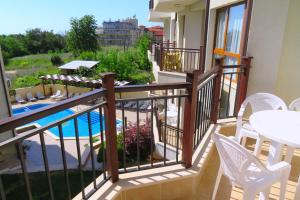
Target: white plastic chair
(40,95)
(295,105)
(258,102)
(30,97)
(245,170)
(58,93)
(19,99)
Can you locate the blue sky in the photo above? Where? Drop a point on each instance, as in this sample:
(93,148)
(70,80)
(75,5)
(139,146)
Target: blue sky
(17,16)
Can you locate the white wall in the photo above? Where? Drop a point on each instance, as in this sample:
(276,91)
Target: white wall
(221,3)
(288,79)
(166,29)
(193,29)
(265,43)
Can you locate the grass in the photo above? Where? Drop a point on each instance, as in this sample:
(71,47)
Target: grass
(15,187)
(35,61)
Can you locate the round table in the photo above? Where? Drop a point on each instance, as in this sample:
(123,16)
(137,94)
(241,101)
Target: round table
(282,128)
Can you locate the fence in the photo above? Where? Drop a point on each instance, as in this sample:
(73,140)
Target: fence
(133,147)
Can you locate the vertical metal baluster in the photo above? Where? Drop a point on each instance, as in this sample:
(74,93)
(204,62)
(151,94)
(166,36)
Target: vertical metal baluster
(237,92)
(124,137)
(23,166)
(228,98)
(206,107)
(63,153)
(2,191)
(222,91)
(138,133)
(199,114)
(79,157)
(202,112)
(46,164)
(178,126)
(165,131)
(196,122)
(92,148)
(102,144)
(151,148)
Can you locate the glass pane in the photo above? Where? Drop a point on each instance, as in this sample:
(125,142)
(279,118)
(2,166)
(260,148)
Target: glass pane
(234,31)
(221,29)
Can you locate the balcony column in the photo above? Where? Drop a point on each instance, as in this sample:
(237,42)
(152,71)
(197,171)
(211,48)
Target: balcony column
(243,81)
(190,118)
(110,126)
(217,90)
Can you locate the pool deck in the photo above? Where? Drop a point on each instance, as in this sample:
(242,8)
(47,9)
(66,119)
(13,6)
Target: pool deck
(34,158)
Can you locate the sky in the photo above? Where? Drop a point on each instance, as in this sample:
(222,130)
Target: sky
(17,16)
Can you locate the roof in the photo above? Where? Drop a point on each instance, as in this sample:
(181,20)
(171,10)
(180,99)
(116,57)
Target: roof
(76,64)
(77,79)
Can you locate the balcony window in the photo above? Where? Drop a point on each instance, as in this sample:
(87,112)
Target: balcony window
(229,32)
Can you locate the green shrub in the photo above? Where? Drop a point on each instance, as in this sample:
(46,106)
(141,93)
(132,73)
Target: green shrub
(88,55)
(26,81)
(56,60)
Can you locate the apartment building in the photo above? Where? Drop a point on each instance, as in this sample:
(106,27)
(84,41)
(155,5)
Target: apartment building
(265,30)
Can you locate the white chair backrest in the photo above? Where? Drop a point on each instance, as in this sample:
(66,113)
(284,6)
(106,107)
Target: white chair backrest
(236,160)
(58,92)
(29,95)
(295,105)
(264,101)
(18,97)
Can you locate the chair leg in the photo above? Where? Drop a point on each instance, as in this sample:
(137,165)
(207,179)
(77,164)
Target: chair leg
(283,184)
(244,140)
(258,146)
(264,194)
(289,154)
(249,195)
(217,183)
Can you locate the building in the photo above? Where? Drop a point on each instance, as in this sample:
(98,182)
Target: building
(120,32)
(156,32)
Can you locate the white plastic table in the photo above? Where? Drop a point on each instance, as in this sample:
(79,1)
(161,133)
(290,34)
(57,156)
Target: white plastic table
(281,127)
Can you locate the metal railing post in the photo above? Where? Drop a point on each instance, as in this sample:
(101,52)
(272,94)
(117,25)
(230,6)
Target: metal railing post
(190,118)
(110,126)
(161,56)
(217,90)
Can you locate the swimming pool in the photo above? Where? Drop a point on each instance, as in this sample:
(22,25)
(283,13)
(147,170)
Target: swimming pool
(68,127)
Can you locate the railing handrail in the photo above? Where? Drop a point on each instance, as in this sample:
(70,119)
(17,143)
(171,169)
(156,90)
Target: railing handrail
(149,87)
(10,123)
(182,49)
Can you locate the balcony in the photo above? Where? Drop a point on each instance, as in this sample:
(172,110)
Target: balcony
(171,5)
(172,59)
(140,141)
(155,16)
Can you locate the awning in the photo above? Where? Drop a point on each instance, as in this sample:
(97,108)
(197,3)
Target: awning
(76,64)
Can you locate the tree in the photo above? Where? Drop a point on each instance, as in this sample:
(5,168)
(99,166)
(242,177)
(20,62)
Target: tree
(82,36)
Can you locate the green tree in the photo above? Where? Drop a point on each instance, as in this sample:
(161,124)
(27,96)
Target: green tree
(82,36)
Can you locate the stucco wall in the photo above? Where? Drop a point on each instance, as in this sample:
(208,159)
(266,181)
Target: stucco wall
(166,29)
(265,43)
(193,29)
(288,80)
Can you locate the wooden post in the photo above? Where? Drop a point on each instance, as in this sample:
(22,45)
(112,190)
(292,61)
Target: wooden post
(217,90)
(190,105)
(243,83)
(110,126)
(43,84)
(161,57)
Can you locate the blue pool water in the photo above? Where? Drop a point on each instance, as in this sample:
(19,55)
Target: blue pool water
(68,127)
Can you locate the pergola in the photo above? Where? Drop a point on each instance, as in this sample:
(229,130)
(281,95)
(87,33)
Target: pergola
(73,80)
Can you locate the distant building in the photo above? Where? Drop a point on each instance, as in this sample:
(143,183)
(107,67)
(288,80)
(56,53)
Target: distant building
(121,32)
(157,33)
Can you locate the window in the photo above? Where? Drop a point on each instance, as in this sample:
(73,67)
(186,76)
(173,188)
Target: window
(229,32)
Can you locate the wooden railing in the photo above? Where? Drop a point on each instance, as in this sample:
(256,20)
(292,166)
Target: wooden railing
(200,99)
(174,59)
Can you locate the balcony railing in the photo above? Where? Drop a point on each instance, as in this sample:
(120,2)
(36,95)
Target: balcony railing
(131,145)
(170,58)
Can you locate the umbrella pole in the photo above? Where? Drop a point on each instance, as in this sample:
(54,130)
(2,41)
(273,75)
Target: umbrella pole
(43,83)
(66,85)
